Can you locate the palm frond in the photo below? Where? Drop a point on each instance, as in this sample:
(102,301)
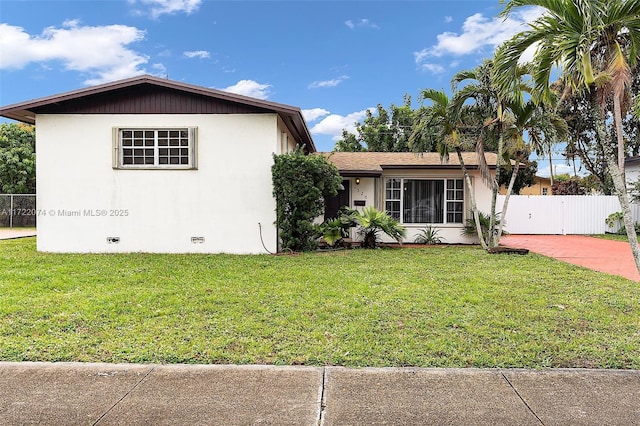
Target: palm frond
(485,171)
(620,73)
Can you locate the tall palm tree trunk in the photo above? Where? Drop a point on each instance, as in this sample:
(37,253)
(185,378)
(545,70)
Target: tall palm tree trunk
(472,199)
(505,205)
(617,117)
(619,185)
(493,240)
(550,167)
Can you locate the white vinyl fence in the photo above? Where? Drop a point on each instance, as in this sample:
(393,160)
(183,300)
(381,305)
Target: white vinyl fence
(561,214)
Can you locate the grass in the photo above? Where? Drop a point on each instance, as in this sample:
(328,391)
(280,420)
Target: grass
(439,306)
(613,237)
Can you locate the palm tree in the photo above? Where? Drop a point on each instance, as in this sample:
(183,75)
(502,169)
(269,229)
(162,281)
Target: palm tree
(543,128)
(498,109)
(596,43)
(441,121)
(493,117)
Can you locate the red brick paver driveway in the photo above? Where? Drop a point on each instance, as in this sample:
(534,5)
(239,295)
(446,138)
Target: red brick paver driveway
(611,257)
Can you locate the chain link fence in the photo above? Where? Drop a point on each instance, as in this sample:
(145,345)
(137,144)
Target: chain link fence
(18,211)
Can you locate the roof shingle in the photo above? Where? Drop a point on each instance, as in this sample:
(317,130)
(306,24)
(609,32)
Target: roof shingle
(373,163)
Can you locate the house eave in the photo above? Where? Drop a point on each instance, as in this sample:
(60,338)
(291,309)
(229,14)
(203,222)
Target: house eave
(429,167)
(24,116)
(360,173)
(290,115)
(631,161)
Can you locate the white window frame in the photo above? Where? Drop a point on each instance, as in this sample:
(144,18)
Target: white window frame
(450,196)
(390,196)
(445,199)
(119,148)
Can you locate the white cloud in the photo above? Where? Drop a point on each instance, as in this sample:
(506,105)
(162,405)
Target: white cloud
(328,83)
(201,54)
(432,68)
(479,33)
(314,113)
(333,124)
(361,23)
(250,88)
(558,169)
(99,51)
(160,69)
(527,55)
(168,7)
(448,19)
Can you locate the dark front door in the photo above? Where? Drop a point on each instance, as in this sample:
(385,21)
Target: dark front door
(333,204)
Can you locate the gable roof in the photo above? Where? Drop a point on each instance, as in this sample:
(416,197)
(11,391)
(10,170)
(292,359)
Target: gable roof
(147,94)
(373,163)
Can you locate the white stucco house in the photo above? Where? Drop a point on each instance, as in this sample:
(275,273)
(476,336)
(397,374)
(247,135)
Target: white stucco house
(418,190)
(153,165)
(632,170)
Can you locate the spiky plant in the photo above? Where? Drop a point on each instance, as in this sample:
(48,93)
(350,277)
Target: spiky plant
(373,222)
(428,235)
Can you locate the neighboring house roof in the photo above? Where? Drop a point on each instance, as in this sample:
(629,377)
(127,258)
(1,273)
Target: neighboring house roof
(152,95)
(632,161)
(373,163)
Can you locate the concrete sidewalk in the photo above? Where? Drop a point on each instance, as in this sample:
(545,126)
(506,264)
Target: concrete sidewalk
(130,394)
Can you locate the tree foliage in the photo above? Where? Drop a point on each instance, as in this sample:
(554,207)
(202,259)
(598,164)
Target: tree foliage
(584,141)
(571,186)
(382,131)
(526,177)
(17,158)
(300,185)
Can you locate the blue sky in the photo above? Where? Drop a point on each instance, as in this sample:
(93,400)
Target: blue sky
(333,59)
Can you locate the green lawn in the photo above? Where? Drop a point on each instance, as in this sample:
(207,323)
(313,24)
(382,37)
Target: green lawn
(614,237)
(444,306)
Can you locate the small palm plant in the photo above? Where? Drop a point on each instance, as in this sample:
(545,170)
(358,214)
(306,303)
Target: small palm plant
(428,235)
(331,231)
(485,223)
(335,230)
(372,222)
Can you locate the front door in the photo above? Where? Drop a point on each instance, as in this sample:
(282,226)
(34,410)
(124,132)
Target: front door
(333,204)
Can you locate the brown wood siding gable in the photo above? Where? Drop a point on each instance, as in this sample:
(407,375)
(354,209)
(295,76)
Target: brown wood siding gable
(148,99)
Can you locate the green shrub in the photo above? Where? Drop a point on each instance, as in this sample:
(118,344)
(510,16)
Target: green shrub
(300,185)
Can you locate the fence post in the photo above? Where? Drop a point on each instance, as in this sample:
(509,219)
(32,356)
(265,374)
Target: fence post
(564,232)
